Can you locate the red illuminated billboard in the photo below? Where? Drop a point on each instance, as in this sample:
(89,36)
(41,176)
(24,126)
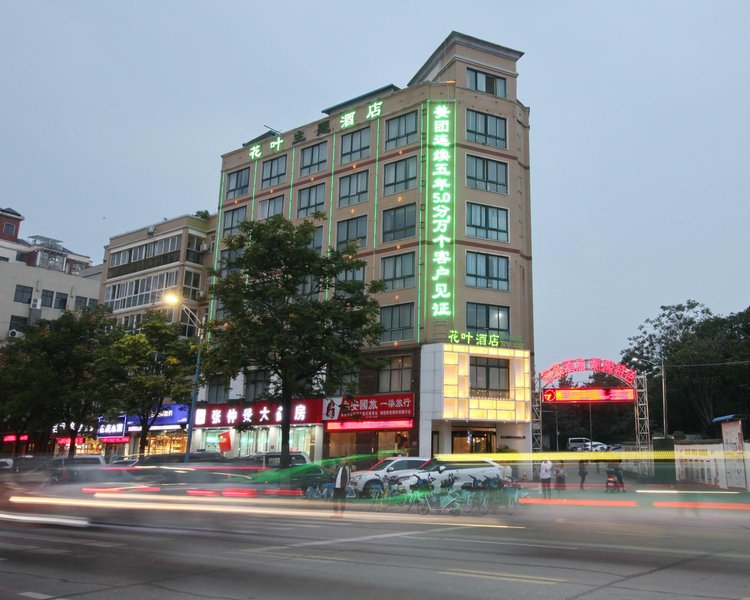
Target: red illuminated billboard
(564,395)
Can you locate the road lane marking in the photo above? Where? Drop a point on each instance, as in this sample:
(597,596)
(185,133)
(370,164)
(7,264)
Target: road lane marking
(470,541)
(504,576)
(35,595)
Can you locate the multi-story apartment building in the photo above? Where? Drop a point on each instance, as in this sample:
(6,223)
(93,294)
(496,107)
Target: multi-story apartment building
(432,182)
(39,277)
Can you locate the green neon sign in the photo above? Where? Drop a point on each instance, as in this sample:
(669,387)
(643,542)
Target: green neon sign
(493,340)
(441,211)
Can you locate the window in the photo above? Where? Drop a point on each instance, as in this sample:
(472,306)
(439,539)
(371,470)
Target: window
(401,130)
(351,230)
(353,189)
(355,145)
(9,229)
(17,322)
(486,129)
(311,200)
(396,376)
(486,174)
(23,294)
(270,207)
(47,296)
(488,377)
(400,175)
(314,159)
(61,301)
(487,319)
(398,322)
(399,223)
(232,220)
(398,271)
(487,271)
(217,393)
(317,241)
(227,260)
(139,292)
(274,172)
(191,285)
(348,275)
(237,183)
(256,385)
(487,222)
(80,302)
(484,82)
(93,303)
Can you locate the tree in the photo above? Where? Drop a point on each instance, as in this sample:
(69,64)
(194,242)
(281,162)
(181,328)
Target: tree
(50,373)
(145,368)
(706,362)
(302,317)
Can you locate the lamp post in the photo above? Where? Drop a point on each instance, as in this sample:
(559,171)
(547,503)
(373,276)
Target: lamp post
(663,388)
(195,322)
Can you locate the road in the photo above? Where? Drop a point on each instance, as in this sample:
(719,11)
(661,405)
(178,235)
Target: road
(290,549)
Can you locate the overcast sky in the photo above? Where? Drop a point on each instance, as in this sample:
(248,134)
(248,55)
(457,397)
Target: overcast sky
(114,115)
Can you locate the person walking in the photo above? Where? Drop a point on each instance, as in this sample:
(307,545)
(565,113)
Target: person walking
(545,478)
(583,470)
(343,475)
(560,478)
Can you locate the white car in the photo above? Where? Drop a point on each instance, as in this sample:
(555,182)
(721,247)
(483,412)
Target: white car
(440,470)
(593,447)
(367,481)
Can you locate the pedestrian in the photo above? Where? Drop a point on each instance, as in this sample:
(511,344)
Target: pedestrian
(583,470)
(343,475)
(508,474)
(545,478)
(559,478)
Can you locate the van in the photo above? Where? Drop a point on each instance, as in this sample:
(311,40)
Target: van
(577,443)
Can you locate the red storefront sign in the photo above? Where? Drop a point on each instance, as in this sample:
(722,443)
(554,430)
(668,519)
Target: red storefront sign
(606,395)
(374,407)
(309,411)
(11,437)
(304,412)
(64,441)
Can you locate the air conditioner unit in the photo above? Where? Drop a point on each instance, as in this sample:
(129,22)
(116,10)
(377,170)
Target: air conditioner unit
(36,303)
(204,248)
(14,333)
(151,229)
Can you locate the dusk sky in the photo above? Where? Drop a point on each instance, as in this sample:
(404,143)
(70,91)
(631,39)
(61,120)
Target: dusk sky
(114,115)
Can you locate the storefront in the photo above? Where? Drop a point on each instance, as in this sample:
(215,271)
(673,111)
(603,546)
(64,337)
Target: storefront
(475,397)
(167,433)
(370,426)
(243,429)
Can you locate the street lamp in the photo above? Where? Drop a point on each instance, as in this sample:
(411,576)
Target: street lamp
(663,388)
(173,300)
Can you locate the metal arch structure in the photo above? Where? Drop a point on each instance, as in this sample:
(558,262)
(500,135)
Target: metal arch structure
(635,380)
(642,426)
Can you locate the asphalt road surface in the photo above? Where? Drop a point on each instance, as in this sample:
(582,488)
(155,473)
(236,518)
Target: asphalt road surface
(294,549)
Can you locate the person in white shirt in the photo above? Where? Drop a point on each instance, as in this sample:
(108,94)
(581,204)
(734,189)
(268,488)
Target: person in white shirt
(343,475)
(545,477)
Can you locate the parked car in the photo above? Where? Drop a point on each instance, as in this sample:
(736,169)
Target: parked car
(177,457)
(271,460)
(440,470)
(6,463)
(369,480)
(614,447)
(576,443)
(296,477)
(593,447)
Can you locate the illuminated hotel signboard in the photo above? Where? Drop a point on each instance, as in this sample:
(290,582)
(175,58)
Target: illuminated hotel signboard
(564,395)
(441,210)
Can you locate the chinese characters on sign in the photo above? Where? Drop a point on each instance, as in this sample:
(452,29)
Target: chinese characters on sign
(369,408)
(609,367)
(589,395)
(345,120)
(493,340)
(441,211)
(308,411)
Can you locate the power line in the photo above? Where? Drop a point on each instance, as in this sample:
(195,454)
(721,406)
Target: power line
(738,362)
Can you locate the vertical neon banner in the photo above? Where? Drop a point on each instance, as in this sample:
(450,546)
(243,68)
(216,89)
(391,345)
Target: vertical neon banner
(441,209)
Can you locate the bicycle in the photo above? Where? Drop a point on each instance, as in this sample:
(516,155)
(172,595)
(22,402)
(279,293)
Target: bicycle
(447,500)
(320,491)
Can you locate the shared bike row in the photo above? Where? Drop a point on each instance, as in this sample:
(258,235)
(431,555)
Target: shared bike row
(488,495)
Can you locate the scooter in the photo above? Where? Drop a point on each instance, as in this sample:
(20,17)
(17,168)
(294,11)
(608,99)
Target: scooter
(614,481)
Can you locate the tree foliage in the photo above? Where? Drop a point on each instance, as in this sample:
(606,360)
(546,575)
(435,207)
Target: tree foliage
(49,375)
(292,312)
(706,364)
(144,369)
